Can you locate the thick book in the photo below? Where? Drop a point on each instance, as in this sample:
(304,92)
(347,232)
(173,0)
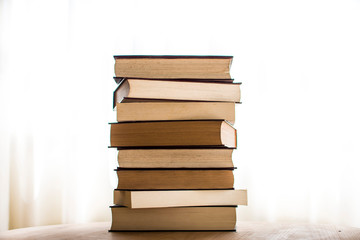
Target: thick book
(210,133)
(152,111)
(174,219)
(175,158)
(179,198)
(181,179)
(148,90)
(180,67)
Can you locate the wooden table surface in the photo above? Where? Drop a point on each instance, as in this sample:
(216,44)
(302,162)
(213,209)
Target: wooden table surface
(245,231)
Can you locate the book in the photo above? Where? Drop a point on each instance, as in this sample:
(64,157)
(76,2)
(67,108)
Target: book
(175,158)
(151,179)
(180,67)
(150,111)
(138,89)
(174,219)
(224,80)
(179,198)
(192,133)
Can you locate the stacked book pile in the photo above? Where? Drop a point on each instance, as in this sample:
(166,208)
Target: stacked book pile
(175,141)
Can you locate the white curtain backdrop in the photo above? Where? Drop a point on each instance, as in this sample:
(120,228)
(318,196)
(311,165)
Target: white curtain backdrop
(298,126)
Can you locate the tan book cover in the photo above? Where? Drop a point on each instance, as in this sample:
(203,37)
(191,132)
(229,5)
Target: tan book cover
(150,90)
(174,219)
(175,158)
(152,111)
(165,66)
(179,198)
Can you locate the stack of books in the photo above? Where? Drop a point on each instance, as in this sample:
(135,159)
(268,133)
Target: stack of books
(175,141)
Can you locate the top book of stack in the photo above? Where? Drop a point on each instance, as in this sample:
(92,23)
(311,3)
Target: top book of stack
(191,68)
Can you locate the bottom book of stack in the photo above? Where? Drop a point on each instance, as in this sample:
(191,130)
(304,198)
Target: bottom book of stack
(174,219)
(176,210)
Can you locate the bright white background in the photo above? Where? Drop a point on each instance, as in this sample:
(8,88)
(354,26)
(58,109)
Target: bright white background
(298,126)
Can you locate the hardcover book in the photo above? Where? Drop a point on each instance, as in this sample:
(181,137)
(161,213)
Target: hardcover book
(210,133)
(153,111)
(175,158)
(150,179)
(179,198)
(174,219)
(137,90)
(157,66)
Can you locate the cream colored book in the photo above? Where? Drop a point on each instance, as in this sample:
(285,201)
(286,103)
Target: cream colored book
(149,111)
(178,67)
(175,158)
(179,198)
(174,219)
(147,90)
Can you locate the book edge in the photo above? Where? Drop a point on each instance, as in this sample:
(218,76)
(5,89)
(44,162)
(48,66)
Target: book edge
(175,56)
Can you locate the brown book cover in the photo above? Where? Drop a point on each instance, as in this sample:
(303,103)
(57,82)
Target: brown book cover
(143,179)
(191,133)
